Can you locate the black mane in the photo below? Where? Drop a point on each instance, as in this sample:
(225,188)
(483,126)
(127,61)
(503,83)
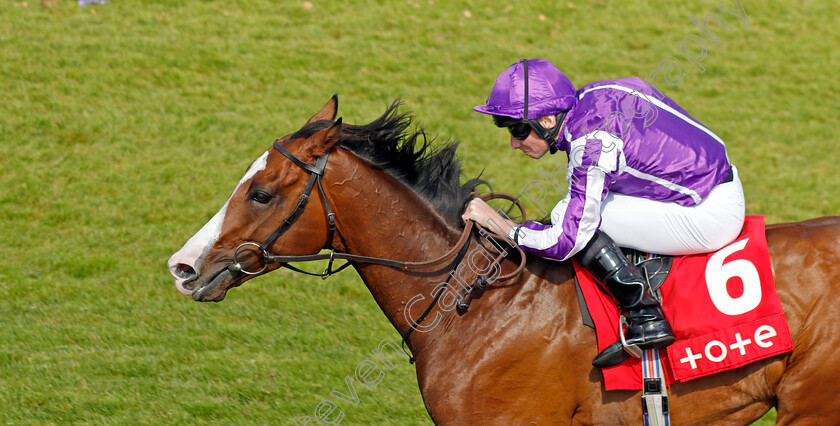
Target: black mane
(433,173)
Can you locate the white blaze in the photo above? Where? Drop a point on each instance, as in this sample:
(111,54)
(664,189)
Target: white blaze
(194,251)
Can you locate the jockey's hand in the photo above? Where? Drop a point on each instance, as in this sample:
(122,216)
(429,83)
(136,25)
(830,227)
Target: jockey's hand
(481,213)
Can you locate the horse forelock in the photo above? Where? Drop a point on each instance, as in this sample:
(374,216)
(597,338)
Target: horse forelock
(389,144)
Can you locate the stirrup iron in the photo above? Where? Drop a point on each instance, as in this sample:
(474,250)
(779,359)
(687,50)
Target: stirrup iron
(633,350)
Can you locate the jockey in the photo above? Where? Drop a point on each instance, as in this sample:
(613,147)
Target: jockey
(641,174)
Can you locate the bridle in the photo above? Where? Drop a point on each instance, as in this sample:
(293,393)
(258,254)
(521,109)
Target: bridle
(316,172)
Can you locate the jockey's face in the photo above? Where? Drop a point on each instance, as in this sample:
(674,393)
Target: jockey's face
(533,146)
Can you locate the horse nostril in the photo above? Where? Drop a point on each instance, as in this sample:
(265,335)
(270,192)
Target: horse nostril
(184,271)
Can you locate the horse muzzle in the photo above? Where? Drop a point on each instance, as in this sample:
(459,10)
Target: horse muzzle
(213,290)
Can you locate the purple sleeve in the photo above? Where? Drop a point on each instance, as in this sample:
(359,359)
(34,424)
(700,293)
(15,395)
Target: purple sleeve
(575,218)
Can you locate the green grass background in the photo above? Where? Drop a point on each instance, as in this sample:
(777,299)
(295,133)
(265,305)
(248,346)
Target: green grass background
(124,127)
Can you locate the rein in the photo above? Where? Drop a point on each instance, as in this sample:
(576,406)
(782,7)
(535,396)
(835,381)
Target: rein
(316,173)
(459,250)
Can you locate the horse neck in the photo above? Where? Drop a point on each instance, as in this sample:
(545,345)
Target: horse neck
(378,216)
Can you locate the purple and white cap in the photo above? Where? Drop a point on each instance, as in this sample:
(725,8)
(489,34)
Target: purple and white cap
(549,91)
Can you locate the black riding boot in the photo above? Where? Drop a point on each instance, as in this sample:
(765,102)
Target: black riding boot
(647,327)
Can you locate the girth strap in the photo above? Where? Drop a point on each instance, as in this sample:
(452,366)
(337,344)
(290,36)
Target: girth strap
(655,410)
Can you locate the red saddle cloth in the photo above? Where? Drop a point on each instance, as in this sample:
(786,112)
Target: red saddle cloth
(722,306)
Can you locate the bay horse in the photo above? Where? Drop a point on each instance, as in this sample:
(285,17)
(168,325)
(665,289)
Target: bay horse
(519,353)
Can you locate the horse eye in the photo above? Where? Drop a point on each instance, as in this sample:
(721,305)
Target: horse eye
(261,197)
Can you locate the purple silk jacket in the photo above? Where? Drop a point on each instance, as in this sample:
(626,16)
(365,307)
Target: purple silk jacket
(624,136)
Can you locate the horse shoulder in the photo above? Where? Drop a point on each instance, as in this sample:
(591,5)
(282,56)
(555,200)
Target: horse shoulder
(518,341)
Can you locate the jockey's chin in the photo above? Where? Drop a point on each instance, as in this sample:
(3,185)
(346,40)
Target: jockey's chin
(536,154)
(533,146)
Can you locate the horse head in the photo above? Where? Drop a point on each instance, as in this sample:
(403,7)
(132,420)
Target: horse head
(227,251)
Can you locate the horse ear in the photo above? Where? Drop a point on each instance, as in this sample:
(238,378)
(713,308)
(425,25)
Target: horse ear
(328,112)
(325,140)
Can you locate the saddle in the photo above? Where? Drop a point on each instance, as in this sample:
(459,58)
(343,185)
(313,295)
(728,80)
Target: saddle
(722,306)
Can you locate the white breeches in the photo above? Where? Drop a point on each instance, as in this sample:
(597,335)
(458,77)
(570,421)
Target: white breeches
(671,229)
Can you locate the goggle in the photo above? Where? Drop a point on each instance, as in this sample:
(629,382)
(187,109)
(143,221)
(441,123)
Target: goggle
(518,128)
